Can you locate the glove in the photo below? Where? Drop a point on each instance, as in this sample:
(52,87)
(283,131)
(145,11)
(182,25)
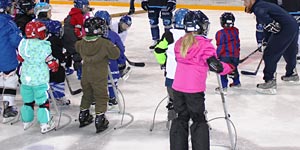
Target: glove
(77,65)
(19,58)
(121,68)
(171,5)
(53,65)
(163,66)
(273,27)
(145,5)
(78,32)
(214,64)
(79,72)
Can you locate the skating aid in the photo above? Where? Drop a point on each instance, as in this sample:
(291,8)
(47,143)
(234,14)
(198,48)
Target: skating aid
(154,115)
(232,138)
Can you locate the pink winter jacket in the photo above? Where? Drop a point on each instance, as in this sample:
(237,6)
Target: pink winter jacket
(191,71)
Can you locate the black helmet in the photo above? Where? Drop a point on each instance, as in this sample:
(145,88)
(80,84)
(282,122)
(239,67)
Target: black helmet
(196,21)
(95,26)
(227,19)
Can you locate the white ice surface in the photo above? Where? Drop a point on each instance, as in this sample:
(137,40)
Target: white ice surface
(263,122)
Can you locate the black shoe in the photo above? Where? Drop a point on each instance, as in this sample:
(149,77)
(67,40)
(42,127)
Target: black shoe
(112,101)
(85,118)
(101,123)
(131,11)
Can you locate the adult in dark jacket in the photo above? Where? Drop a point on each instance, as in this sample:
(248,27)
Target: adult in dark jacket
(10,37)
(283,30)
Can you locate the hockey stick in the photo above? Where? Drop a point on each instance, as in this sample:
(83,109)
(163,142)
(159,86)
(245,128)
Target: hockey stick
(137,64)
(242,60)
(70,89)
(255,72)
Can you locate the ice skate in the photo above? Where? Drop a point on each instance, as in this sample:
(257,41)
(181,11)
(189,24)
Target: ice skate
(298,59)
(131,11)
(292,78)
(63,101)
(101,123)
(112,101)
(232,85)
(152,46)
(47,127)
(27,125)
(268,87)
(224,90)
(9,112)
(69,71)
(85,118)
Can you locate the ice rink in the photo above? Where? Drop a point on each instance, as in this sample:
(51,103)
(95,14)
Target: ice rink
(262,122)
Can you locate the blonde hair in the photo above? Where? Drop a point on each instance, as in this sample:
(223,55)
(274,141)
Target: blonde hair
(187,41)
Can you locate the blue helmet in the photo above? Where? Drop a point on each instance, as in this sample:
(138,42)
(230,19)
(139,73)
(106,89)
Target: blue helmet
(126,19)
(104,15)
(227,19)
(54,27)
(81,3)
(178,18)
(41,7)
(4,4)
(196,21)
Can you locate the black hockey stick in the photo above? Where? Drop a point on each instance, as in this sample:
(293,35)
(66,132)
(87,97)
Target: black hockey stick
(242,60)
(255,72)
(137,64)
(70,89)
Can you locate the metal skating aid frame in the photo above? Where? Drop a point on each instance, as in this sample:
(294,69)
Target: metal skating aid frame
(153,121)
(121,109)
(232,138)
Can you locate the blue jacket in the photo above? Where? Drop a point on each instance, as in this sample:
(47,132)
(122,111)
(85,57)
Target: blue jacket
(10,37)
(113,64)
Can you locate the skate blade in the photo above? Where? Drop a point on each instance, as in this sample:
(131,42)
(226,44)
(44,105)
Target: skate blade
(101,129)
(267,91)
(25,127)
(85,124)
(7,120)
(44,132)
(292,82)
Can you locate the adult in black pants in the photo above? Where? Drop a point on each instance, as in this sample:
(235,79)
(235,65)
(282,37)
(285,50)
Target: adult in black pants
(131,8)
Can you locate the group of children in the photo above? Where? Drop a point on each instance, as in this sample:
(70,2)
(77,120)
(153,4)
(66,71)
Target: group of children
(40,45)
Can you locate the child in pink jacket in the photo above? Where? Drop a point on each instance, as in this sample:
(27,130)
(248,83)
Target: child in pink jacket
(195,56)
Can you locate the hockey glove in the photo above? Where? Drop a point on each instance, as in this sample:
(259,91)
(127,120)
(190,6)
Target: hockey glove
(121,67)
(214,64)
(273,27)
(52,64)
(171,5)
(145,5)
(78,31)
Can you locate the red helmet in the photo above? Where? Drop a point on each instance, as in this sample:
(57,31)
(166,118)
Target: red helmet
(35,29)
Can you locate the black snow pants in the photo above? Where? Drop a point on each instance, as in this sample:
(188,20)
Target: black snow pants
(189,106)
